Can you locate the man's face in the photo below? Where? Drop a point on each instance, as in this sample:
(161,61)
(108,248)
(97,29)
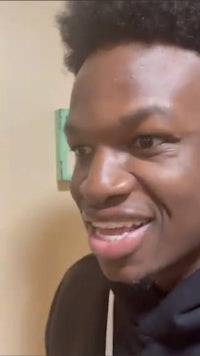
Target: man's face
(134,124)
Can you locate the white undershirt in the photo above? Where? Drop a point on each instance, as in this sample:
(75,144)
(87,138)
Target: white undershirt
(110,325)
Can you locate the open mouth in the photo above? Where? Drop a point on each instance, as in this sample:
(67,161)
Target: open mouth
(116,240)
(115,231)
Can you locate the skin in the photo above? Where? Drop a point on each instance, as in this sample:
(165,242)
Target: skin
(120,95)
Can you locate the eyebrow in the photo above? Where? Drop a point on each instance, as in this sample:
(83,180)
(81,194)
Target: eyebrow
(136,117)
(133,118)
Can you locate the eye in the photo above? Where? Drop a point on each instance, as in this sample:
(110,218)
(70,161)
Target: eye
(147,142)
(82,151)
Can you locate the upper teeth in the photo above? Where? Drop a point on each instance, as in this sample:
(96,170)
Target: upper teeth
(115,225)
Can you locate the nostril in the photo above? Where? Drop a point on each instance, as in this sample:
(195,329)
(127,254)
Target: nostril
(107,181)
(116,200)
(106,192)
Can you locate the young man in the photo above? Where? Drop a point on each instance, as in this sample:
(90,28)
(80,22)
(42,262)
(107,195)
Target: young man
(134,126)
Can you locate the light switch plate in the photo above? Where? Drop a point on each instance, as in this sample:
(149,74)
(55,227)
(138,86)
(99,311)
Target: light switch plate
(64,156)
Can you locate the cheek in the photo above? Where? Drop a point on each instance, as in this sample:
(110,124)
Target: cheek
(182,186)
(173,182)
(176,186)
(74,190)
(77,179)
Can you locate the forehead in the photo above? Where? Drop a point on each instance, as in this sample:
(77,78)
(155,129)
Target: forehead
(116,79)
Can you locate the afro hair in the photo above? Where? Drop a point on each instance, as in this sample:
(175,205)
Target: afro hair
(87,26)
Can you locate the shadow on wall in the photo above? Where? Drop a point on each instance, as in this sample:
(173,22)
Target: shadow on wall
(55,238)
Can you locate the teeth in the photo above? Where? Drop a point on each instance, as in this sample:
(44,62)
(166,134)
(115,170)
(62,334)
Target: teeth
(111,237)
(116,225)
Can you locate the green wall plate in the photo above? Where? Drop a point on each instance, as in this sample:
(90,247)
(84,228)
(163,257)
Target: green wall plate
(65,158)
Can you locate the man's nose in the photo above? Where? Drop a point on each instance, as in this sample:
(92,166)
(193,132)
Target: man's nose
(107,178)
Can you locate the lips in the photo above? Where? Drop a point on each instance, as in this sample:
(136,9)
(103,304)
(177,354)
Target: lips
(117,237)
(114,231)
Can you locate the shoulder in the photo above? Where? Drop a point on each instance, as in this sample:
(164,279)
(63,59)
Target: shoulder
(85,267)
(80,274)
(82,286)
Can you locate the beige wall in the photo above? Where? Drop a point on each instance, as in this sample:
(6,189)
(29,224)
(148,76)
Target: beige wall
(40,230)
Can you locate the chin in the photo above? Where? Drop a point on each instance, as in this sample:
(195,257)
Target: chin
(120,272)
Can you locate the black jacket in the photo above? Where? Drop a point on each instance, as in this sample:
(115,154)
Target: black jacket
(146,322)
